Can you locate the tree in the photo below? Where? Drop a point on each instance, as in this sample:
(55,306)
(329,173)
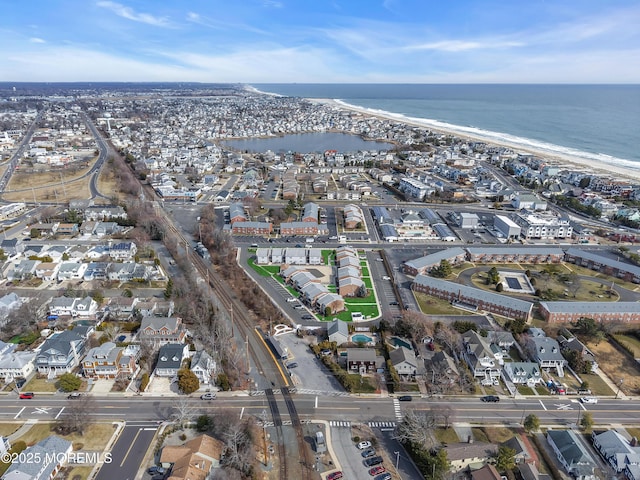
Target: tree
(443,270)
(499,287)
(188,381)
(531,423)
(586,422)
(69,382)
(418,428)
(77,416)
(168,291)
(505,458)
(144,381)
(493,275)
(586,326)
(182,411)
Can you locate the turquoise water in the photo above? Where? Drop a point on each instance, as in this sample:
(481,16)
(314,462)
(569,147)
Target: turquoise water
(398,342)
(361,338)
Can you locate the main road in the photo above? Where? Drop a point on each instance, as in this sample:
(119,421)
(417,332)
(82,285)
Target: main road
(551,410)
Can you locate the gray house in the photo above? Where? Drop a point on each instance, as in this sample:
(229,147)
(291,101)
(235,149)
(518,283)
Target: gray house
(571,454)
(60,353)
(404,361)
(170,359)
(338,331)
(546,351)
(203,366)
(52,450)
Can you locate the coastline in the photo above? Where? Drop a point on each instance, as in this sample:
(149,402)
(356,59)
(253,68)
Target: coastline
(562,160)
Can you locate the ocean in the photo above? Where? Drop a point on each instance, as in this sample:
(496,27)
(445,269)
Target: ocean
(599,122)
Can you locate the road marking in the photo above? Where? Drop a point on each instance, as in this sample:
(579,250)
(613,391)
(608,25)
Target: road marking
(133,442)
(563,406)
(43,410)
(59,413)
(18,414)
(545,408)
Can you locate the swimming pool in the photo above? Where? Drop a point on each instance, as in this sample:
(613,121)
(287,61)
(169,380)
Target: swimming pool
(398,342)
(361,338)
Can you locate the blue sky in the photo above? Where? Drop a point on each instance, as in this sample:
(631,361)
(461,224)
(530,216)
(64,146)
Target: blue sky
(316,41)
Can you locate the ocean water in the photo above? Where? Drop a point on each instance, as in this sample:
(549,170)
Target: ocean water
(599,122)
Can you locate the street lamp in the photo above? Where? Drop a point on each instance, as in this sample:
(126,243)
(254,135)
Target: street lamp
(619,386)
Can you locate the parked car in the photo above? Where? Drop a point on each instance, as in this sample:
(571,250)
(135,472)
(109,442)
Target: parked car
(26,395)
(369,452)
(121,338)
(153,470)
(384,476)
(589,400)
(292,365)
(377,470)
(363,445)
(21,381)
(490,398)
(74,395)
(325,352)
(405,398)
(385,277)
(208,396)
(373,461)
(334,476)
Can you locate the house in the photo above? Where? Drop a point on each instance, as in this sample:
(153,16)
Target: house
(106,228)
(14,364)
(107,361)
(12,246)
(573,344)
(571,454)
(8,302)
(123,251)
(52,450)
(351,286)
(74,307)
(97,252)
(338,331)
(361,360)
(203,366)
(488,472)
(404,361)
(122,307)
(96,271)
(523,373)
(484,359)
(162,330)
(329,302)
(442,365)
(616,450)
(170,359)
(193,460)
(546,351)
(68,229)
(464,454)
(61,352)
(24,270)
(47,271)
(71,271)
(523,448)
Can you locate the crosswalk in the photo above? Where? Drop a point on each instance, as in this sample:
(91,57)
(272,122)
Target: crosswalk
(347,424)
(336,423)
(302,391)
(397,409)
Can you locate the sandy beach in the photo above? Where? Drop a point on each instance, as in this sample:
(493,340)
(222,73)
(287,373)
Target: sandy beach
(568,161)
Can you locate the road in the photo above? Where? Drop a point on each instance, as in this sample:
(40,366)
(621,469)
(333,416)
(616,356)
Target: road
(551,410)
(15,159)
(128,452)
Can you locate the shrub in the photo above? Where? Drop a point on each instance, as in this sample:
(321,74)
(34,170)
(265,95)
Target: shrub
(144,381)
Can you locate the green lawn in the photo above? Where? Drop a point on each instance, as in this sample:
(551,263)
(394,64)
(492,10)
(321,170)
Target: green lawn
(597,385)
(435,306)
(361,384)
(446,435)
(327,257)
(524,390)
(367,282)
(365,271)
(39,385)
(263,270)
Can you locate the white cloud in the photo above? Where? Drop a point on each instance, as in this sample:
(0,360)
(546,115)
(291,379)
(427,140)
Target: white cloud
(37,40)
(272,4)
(128,13)
(462,45)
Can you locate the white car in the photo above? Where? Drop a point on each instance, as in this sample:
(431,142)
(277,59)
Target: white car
(363,445)
(589,400)
(386,277)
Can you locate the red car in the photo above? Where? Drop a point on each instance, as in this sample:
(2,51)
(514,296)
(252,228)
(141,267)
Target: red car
(27,395)
(334,476)
(377,470)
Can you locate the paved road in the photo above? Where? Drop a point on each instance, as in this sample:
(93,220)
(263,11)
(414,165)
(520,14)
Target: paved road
(128,452)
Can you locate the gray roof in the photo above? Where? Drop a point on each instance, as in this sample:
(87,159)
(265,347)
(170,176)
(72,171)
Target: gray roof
(361,354)
(158,322)
(310,210)
(590,308)
(435,258)
(170,355)
(338,326)
(515,250)
(547,349)
(46,450)
(402,354)
(107,352)
(443,230)
(626,267)
(236,210)
(388,230)
(490,297)
(571,450)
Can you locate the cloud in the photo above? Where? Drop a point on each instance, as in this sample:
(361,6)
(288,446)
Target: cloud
(128,13)
(37,40)
(209,22)
(272,4)
(462,45)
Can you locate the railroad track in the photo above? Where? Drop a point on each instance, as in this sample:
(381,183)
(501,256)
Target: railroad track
(277,423)
(295,422)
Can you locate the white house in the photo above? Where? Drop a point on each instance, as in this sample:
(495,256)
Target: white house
(203,366)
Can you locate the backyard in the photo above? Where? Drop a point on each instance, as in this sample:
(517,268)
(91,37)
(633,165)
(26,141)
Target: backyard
(618,366)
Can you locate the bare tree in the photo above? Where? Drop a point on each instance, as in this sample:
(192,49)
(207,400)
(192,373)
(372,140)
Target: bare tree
(77,416)
(182,411)
(418,427)
(112,330)
(451,338)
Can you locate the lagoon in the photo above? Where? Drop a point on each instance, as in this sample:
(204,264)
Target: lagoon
(307,143)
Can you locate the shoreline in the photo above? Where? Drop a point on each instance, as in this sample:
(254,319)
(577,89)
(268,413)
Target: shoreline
(567,161)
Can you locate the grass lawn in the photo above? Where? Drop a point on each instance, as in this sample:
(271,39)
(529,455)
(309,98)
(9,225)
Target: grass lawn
(264,271)
(361,384)
(542,390)
(617,366)
(524,390)
(447,435)
(631,342)
(7,429)
(365,271)
(435,306)
(355,300)
(95,437)
(367,282)
(498,434)
(479,435)
(633,431)
(39,385)
(597,385)
(327,257)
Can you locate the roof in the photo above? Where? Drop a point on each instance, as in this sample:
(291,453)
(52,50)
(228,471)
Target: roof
(590,308)
(172,323)
(338,326)
(489,297)
(403,354)
(36,470)
(571,449)
(170,355)
(468,451)
(516,251)
(361,355)
(435,258)
(547,349)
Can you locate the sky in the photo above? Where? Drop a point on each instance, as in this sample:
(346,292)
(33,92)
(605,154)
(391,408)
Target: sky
(317,41)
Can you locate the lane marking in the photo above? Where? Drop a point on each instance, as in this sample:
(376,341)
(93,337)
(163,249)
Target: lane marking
(18,414)
(133,442)
(59,413)
(542,404)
